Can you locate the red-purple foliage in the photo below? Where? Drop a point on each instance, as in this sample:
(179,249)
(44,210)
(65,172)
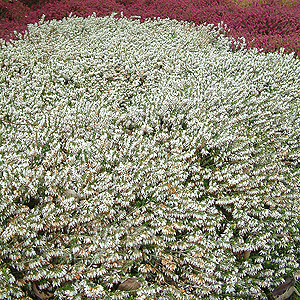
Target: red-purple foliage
(82,8)
(269,25)
(12,11)
(11,16)
(57,9)
(33,3)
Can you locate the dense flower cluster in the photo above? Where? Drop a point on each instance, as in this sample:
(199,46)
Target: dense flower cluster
(150,151)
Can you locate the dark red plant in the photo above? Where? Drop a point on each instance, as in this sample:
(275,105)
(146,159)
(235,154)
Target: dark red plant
(13,10)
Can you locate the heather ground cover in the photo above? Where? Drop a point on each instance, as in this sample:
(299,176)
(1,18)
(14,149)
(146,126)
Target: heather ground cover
(265,24)
(147,151)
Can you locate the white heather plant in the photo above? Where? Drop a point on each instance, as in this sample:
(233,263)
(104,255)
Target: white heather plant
(149,151)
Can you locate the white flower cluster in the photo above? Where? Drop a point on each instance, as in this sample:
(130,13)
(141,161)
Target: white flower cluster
(147,150)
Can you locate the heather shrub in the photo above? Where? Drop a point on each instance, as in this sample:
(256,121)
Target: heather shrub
(12,16)
(126,2)
(35,3)
(82,8)
(264,24)
(57,10)
(269,25)
(14,11)
(246,3)
(265,19)
(146,151)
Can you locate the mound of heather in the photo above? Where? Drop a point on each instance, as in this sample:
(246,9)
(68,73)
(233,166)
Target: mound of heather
(146,160)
